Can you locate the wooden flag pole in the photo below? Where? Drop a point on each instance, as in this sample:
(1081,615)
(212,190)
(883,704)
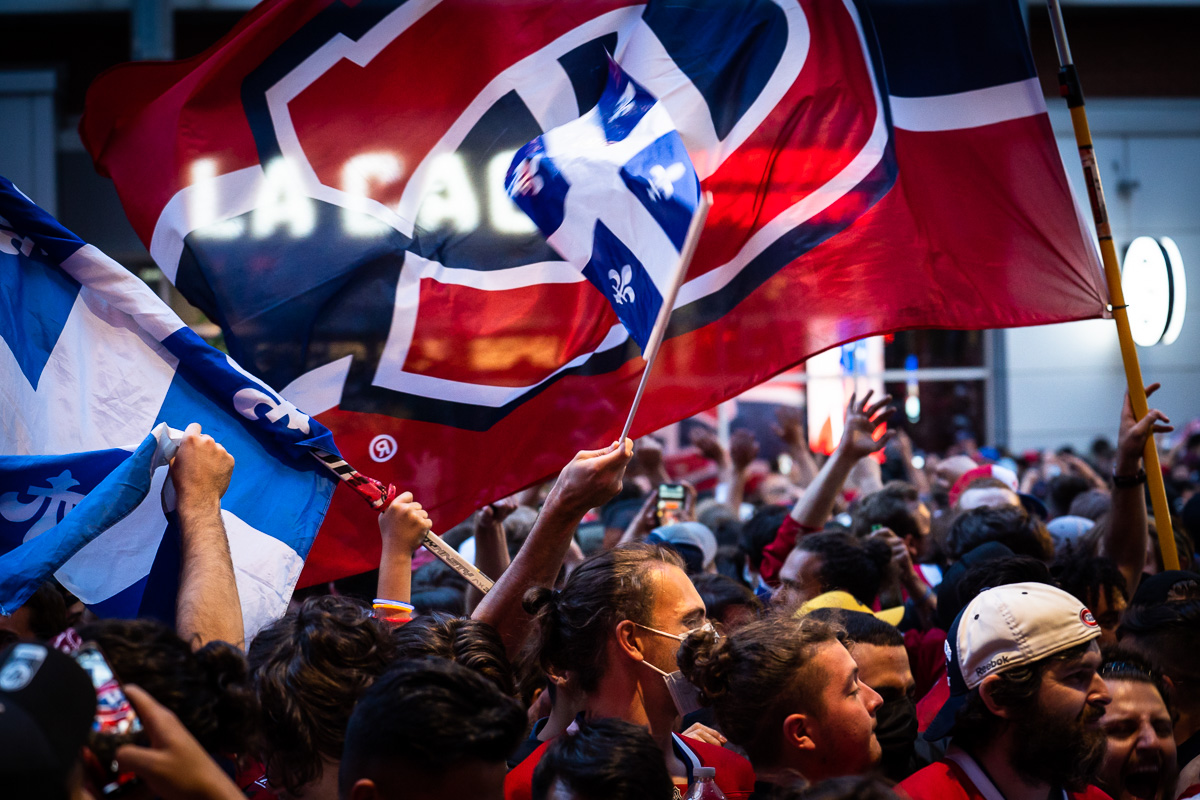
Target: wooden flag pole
(664,313)
(454,560)
(1068,81)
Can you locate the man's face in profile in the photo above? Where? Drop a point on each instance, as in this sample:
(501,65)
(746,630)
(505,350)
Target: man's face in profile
(1057,739)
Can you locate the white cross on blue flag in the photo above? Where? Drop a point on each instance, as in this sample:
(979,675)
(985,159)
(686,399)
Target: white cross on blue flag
(613,191)
(97,376)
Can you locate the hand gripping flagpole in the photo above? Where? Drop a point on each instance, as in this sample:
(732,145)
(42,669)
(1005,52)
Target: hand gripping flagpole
(664,313)
(380,496)
(1069,87)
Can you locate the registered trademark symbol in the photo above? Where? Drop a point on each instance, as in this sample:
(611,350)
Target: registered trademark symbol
(382,448)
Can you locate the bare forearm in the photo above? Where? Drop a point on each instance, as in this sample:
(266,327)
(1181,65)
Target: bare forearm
(536,564)
(804,466)
(737,491)
(395,574)
(1125,540)
(207,607)
(813,509)
(491,557)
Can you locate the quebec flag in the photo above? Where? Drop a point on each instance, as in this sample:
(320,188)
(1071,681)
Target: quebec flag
(98,376)
(613,191)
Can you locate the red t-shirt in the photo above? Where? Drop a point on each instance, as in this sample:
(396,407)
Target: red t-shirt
(929,705)
(949,780)
(735,776)
(926,657)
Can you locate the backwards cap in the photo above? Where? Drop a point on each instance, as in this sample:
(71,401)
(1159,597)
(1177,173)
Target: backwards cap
(1006,627)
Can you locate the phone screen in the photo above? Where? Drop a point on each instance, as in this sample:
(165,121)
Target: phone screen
(670,503)
(115,723)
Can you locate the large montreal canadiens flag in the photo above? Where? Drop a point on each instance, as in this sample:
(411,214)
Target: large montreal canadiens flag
(328,184)
(98,378)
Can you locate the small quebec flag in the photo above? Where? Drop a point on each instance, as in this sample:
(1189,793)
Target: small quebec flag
(613,191)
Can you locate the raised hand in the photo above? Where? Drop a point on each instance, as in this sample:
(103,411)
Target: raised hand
(403,524)
(708,445)
(591,478)
(1134,434)
(743,449)
(790,427)
(201,469)
(862,418)
(495,513)
(174,766)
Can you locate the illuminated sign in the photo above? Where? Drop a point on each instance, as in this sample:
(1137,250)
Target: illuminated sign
(450,198)
(1155,287)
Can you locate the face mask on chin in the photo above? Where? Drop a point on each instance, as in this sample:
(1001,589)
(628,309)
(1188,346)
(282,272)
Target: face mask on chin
(684,694)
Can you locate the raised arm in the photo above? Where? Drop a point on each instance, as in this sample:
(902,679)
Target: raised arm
(1125,540)
(790,430)
(402,525)
(813,509)
(207,607)
(590,480)
(491,545)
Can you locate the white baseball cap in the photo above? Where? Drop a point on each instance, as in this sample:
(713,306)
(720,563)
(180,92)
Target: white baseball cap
(1005,627)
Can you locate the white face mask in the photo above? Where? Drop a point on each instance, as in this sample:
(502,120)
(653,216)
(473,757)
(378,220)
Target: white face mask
(684,694)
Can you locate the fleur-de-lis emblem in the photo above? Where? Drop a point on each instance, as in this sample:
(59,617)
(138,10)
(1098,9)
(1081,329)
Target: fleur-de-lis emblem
(53,502)
(622,291)
(662,180)
(246,402)
(625,103)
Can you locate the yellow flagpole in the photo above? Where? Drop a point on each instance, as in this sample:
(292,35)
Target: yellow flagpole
(1068,80)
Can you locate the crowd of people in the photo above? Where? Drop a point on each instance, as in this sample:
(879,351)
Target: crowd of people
(984,625)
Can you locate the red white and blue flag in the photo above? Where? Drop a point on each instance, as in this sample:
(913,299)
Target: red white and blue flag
(613,192)
(327,184)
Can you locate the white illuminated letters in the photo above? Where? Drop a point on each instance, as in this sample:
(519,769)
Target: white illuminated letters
(452,197)
(357,176)
(448,197)
(505,216)
(203,206)
(282,202)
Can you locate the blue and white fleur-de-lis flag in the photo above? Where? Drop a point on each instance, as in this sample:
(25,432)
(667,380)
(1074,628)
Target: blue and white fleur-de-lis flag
(613,191)
(97,376)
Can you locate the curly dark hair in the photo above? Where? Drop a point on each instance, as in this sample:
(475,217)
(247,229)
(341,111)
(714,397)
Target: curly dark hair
(309,668)
(1089,579)
(756,677)
(469,642)
(606,759)
(424,716)
(573,624)
(1164,635)
(888,507)
(1025,535)
(853,565)
(208,689)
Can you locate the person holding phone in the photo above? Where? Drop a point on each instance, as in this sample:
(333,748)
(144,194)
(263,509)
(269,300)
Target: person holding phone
(46,709)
